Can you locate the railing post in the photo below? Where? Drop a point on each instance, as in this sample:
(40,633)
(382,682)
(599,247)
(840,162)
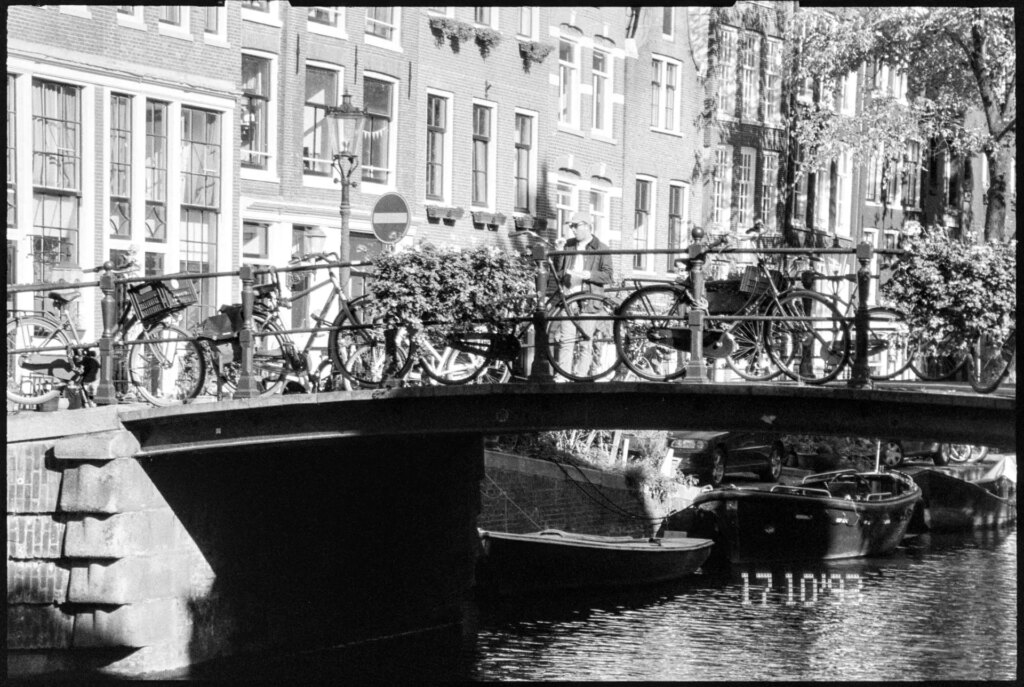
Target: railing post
(861,320)
(540,370)
(389,378)
(246,382)
(696,369)
(106,394)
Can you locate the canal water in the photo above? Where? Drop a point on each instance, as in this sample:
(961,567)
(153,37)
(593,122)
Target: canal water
(939,608)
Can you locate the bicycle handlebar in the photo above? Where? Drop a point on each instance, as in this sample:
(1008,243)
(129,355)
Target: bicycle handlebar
(325,257)
(108,266)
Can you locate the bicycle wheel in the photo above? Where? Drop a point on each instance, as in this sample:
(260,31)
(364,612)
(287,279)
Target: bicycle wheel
(990,362)
(25,386)
(167,366)
(890,349)
(582,350)
(812,344)
(356,344)
(455,359)
(643,339)
(930,366)
(750,359)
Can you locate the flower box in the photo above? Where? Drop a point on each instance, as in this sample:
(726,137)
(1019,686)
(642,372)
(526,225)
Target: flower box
(437,213)
(492,220)
(524,222)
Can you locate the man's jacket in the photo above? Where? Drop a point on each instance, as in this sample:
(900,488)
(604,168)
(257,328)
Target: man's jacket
(599,266)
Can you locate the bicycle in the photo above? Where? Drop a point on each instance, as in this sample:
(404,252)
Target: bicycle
(989,361)
(652,339)
(46,356)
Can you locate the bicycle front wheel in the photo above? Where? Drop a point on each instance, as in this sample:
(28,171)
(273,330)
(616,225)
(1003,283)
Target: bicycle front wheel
(645,334)
(356,344)
(581,347)
(990,362)
(456,359)
(26,386)
(812,343)
(750,359)
(930,366)
(166,366)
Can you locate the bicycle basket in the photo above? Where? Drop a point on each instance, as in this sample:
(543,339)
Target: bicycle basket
(153,301)
(724,296)
(754,281)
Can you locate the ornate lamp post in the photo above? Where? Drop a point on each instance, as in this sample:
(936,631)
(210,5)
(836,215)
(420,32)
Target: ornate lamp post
(345,137)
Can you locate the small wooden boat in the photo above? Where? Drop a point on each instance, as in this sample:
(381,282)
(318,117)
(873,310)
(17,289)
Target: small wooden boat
(839,514)
(553,559)
(956,500)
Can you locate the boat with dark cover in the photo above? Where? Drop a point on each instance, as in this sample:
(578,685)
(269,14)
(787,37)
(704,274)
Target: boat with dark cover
(557,560)
(829,515)
(955,500)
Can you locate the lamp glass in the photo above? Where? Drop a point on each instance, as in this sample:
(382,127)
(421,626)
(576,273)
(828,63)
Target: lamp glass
(315,240)
(345,128)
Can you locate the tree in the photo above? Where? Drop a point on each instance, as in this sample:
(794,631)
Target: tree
(958,60)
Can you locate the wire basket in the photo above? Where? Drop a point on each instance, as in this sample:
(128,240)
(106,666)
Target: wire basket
(154,301)
(754,280)
(724,296)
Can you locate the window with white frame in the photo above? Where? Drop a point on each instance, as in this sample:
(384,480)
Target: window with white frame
(769,188)
(437,145)
(822,193)
(382,25)
(211,19)
(524,143)
(565,206)
(745,188)
(321,93)
(256,113)
(848,94)
(893,185)
(171,14)
(668,22)
(665,94)
(254,240)
(12,154)
(601,86)
(750,65)
(642,228)
(912,172)
(773,82)
(261,11)
(528,22)
(120,166)
(599,212)
(843,170)
(378,131)
(800,198)
(156,171)
(174,21)
(131,15)
(200,202)
(327,21)
(678,212)
(483,156)
(568,83)
(870,236)
(728,56)
(485,16)
(721,188)
(873,191)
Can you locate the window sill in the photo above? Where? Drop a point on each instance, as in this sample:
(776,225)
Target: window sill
(216,41)
(260,18)
(319,181)
(599,135)
(324,30)
(76,11)
(174,32)
(569,129)
(131,22)
(678,134)
(250,174)
(371,188)
(379,42)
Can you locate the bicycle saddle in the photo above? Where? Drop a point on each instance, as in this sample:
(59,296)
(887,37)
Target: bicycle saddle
(63,297)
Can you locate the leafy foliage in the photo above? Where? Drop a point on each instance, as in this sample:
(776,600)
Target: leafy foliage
(953,291)
(451,287)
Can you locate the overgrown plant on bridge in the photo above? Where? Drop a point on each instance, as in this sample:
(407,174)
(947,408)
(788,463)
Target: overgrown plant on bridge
(953,291)
(451,288)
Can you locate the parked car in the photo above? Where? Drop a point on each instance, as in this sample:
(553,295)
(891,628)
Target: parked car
(710,455)
(894,451)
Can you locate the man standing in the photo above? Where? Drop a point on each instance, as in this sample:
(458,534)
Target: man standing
(578,274)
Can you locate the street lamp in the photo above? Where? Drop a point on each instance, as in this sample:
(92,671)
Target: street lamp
(345,137)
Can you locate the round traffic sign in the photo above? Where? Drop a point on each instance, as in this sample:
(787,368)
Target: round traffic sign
(390,218)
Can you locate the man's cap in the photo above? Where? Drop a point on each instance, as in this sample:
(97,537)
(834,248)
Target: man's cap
(582,218)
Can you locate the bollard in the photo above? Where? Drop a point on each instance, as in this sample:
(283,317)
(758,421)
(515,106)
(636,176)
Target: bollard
(246,381)
(540,370)
(106,394)
(696,369)
(861,320)
(389,378)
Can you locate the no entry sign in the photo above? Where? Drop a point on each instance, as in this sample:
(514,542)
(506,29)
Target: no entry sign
(390,218)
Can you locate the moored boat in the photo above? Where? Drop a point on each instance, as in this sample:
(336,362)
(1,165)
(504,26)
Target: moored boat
(554,559)
(839,514)
(956,500)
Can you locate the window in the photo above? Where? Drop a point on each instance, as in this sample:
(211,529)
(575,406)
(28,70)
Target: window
(822,189)
(483,15)
(721,188)
(848,94)
(749,67)
(56,177)
(912,169)
(641,221)
(727,58)
(200,201)
(600,70)
(170,14)
(254,240)
(131,16)
(668,25)
(773,82)
(769,188)
(437,131)
(874,187)
(665,94)
(255,111)
(377,131)
(843,166)
(321,93)
(524,163)
(481,154)
(257,5)
(677,213)
(800,199)
(12,156)
(745,188)
(156,171)
(528,22)
(599,213)
(565,206)
(120,166)
(568,83)
(381,22)
(328,16)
